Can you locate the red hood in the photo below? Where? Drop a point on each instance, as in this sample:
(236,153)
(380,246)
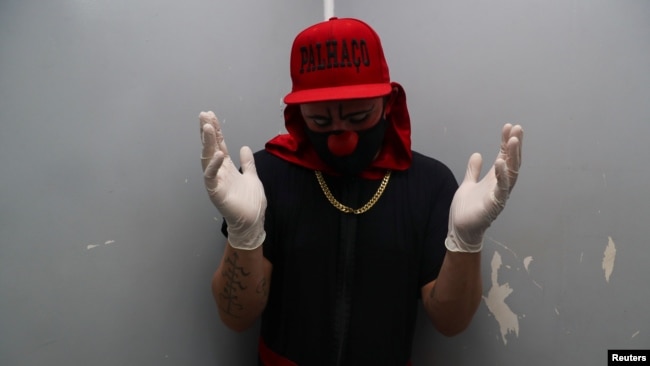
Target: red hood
(395,153)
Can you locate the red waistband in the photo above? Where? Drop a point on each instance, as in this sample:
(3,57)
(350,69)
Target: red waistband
(270,358)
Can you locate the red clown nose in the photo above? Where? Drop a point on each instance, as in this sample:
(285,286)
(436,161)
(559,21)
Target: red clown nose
(342,144)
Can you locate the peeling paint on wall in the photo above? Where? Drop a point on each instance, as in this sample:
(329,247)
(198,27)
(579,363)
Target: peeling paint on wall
(93,246)
(608,258)
(504,247)
(495,301)
(527,261)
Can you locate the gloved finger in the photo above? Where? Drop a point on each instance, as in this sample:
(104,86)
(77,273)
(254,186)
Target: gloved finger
(513,160)
(510,152)
(473,168)
(221,142)
(211,171)
(518,132)
(209,140)
(505,135)
(247,161)
(502,190)
(207,118)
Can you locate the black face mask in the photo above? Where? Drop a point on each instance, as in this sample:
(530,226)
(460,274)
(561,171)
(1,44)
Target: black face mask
(339,150)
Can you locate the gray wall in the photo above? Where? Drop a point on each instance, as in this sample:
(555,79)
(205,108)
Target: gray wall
(107,238)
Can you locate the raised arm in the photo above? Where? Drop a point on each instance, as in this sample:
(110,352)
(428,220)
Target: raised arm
(241,283)
(452,299)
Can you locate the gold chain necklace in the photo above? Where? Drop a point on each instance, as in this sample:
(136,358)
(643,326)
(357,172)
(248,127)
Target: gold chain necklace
(346,209)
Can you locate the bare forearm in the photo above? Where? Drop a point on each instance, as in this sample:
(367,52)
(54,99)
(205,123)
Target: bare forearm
(240,286)
(453,300)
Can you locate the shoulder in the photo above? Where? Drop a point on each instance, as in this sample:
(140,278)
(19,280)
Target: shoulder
(273,170)
(266,162)
(427,179)
(264,157)
(423,167)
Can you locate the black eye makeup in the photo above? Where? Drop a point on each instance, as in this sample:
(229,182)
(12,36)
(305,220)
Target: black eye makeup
(354,118)
(358,118)
(321,121)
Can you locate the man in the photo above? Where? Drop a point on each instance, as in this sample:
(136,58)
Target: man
(337,229)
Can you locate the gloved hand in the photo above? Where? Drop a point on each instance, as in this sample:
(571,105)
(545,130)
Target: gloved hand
(239,197)
(477,204)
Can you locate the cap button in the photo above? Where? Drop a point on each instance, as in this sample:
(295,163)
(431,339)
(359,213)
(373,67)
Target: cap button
(333,18)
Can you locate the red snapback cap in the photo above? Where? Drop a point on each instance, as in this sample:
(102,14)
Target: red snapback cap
(337,59)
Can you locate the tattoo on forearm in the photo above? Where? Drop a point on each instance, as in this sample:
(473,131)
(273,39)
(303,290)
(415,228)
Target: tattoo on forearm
(262,288)
(233,273)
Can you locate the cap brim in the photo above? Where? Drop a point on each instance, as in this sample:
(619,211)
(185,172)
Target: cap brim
(338,93)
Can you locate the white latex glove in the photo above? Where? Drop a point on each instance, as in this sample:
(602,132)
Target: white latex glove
(239,197)
(477,204)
